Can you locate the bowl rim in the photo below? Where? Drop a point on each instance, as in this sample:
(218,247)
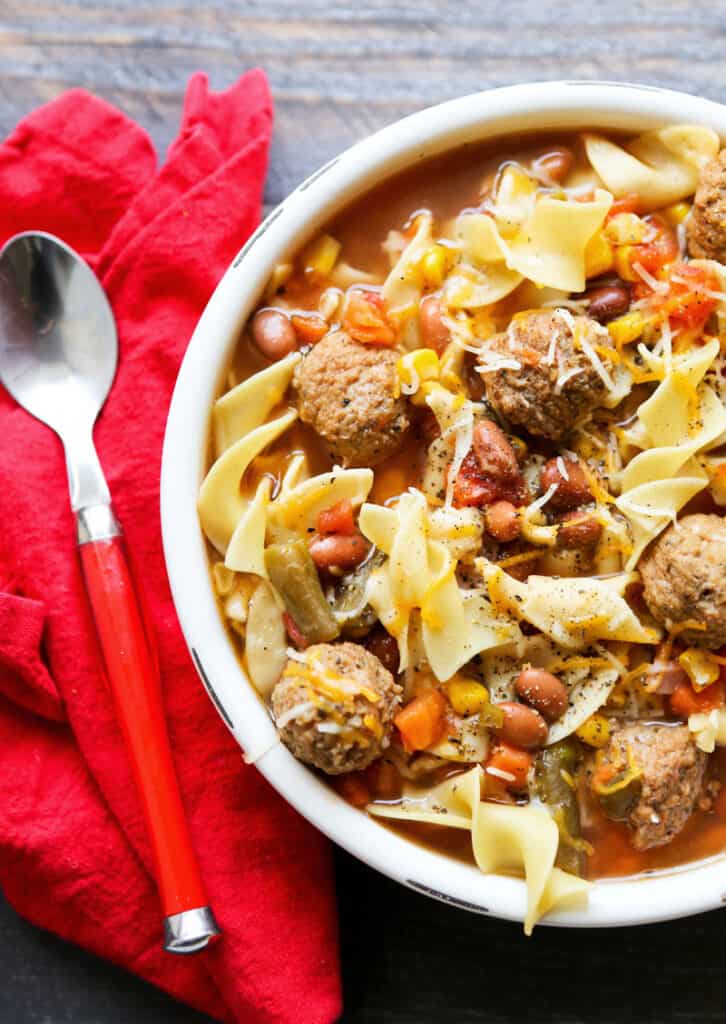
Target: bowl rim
(537,106)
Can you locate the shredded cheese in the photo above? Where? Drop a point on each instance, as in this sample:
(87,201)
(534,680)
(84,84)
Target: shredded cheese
(294,712)
(564,377)
(536,505)
(597,365)
(493,365)
(562,468)
(652,282)
(499,773)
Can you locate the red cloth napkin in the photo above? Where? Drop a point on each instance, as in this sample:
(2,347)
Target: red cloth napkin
(74,857)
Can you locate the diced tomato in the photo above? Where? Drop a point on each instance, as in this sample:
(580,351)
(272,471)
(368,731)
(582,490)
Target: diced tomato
(471,487)
(685,701)
(293,631)
(337,519)
(655,255)
(365,319)
(309,329)
(353,787)
(513,761)
(421,723)
(629,203)
(686,303)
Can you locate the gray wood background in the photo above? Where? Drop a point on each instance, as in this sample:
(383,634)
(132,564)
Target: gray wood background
(339,70)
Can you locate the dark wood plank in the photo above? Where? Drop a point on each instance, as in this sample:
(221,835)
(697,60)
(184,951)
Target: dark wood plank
(339,71)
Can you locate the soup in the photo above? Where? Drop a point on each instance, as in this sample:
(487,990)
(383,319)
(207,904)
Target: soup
(464,505)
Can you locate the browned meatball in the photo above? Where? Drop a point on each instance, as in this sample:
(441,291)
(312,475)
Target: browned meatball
(706,229)
(345,393)
(684,575)
(671,773)
(555,384)
(335,710)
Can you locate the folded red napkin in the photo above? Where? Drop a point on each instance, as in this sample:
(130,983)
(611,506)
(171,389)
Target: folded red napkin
(73,853)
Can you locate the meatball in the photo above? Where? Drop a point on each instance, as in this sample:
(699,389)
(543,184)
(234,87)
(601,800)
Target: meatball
(336,710)
(684,579)
(706,228)
(554,384)
(345,393)
(671,767)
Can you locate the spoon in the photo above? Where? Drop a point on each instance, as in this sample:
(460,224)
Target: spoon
(58,354)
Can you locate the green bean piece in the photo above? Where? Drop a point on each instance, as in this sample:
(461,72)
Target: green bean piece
(554,789)
(356,619)
(293,574)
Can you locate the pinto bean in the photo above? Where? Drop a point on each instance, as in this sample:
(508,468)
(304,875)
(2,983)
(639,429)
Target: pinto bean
(273,333)
(494,453)
(522,726)
(502,521)
(578,530)
(608,301)
(572,488)
(339,550)
(554,164)
(543,691)
(434,332)
(385,648)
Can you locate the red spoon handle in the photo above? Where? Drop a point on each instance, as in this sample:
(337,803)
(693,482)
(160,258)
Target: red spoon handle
(134,681)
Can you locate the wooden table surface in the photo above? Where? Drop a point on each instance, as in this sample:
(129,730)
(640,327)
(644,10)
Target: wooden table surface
(339,70)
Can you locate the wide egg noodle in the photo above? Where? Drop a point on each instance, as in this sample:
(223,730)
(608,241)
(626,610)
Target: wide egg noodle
(265,639)
(455,416)
(420,574)
(248,405)
(297,507)
(506,839)
(403,287)
(682,417)
(661,166)
(220,502)
(465,741)
(547,247)
(588,679)
(550,247)
(482,277)
(246,549)
(574,611)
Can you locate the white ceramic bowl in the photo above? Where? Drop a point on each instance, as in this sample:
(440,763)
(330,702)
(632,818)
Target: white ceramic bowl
(539,107)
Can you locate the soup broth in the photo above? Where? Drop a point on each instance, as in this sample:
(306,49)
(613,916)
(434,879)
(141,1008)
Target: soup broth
(507,330)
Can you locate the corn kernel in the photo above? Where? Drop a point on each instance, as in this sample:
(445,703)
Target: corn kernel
(625,255)
(415,371)
(595,731)
(676,213)
(434,265)
(466,696)
(626,328)
(319,257)
(598,255)
(701,668)
(626,229)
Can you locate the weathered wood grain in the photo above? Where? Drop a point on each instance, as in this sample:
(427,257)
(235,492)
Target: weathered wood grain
(339,70)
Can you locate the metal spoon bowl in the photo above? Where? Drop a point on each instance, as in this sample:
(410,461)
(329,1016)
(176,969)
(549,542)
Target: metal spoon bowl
(58,355)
